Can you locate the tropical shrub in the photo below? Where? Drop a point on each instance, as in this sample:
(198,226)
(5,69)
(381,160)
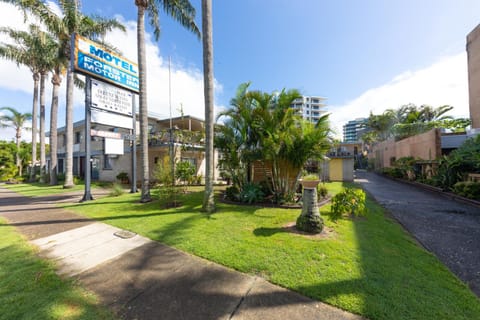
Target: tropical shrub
(263,127)
(348,201)
(232,193)
(185,171)
(251,193)
(458,163)
(467,189)
(322,191)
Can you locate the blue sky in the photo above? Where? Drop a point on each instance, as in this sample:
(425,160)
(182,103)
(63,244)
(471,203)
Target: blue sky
(361,56)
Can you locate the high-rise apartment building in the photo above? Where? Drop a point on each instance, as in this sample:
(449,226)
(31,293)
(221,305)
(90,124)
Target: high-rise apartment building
(353,130)
(309,107)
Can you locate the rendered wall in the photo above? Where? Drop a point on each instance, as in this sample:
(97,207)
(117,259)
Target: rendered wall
(426,146)
(473,54)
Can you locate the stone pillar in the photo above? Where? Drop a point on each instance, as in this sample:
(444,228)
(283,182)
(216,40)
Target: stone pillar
(310,220)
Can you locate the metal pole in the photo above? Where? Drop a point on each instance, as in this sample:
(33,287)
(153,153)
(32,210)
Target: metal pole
(88,172)
(134,147)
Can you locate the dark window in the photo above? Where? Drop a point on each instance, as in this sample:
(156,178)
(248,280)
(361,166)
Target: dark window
(78,136)
(107,163)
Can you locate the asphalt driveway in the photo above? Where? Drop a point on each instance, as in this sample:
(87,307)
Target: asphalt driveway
(447,228)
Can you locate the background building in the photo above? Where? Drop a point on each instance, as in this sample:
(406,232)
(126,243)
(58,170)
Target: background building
(473,54)
(309,107)
(353,130)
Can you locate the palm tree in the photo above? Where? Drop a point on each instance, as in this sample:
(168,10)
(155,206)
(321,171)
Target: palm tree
(208,201)
(17,121)
(183,12)
(63,27)
(28,51)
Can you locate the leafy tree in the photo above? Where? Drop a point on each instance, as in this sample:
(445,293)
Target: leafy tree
(262,126)
(17,121)
(63,26)
(7,160)
(181,11)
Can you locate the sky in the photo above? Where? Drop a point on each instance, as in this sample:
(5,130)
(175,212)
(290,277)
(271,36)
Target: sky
(361,56)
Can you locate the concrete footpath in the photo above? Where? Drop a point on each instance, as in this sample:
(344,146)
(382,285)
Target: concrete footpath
(142,279)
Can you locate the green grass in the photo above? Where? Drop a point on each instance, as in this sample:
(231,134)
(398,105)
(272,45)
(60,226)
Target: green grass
(369,266)
(30,289)
(39,189)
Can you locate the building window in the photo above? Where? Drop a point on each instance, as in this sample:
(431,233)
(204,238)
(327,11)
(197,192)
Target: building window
(78,136)
(107,162)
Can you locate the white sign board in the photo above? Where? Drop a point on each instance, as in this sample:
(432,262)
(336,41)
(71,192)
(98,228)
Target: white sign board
(113,146)
(111,119)
(111,98)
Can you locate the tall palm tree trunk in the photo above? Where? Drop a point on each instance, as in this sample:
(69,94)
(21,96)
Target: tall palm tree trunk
(208,200)
(36,78)
(142,70)
(69,132)
(56,80)
(43,77)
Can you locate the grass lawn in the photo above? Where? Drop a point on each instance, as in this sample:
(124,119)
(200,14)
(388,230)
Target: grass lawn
(30,289)
(40,189)
(369,266)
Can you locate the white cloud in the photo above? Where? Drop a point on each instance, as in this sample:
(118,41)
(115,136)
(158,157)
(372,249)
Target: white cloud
(444,82)
(186,83)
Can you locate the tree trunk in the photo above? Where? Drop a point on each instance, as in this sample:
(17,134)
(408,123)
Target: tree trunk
(69,132)
(56,80)
(36,78)
(208,200)
(143,109)
(42,127)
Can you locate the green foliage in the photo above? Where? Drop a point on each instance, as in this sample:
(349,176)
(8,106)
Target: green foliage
(467,189)
(8,169)
(123,177)
(322,191)
(310,177)
(263,127)
(185,171)
(232,193)
(349,201)
(393,172)
(116,190)
(167,192)
(454,167)
(251,193)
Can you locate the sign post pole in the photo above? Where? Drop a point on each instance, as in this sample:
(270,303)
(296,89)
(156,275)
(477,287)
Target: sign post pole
(88,169)
(134,147)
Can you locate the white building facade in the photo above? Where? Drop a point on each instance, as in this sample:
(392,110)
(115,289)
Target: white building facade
(310,107)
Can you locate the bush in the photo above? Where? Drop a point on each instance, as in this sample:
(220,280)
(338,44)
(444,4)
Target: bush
(116,191)
(185,171)
(349,201)
(123,177)
(232,193)
(393,172)
(467,189)
(322,191)
(251,193)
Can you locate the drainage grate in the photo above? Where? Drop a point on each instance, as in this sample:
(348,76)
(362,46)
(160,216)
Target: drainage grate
(124,234)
